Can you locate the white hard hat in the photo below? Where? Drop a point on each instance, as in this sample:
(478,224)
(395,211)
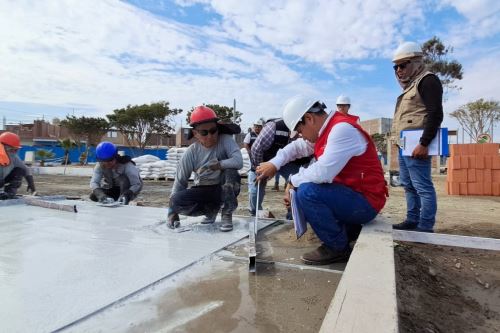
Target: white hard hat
(342,99)
(407,50)
(294,109)
(259,122)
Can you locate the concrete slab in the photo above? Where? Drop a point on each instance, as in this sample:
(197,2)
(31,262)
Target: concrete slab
(59,170)
(57,267)
(365,300)
(219,295)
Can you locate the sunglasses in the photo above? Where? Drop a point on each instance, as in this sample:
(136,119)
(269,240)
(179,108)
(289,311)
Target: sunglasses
(212,131)
(401,65)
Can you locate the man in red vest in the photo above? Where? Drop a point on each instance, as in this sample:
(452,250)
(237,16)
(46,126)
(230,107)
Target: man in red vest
(345,185)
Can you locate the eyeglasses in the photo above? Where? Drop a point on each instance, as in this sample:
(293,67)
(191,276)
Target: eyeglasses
(212,131)
(401,65)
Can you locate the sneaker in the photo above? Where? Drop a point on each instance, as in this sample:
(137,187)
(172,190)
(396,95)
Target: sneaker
(227,222)
(323,255)
(405,225)
(173,221)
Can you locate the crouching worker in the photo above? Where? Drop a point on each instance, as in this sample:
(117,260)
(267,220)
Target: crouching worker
(344,186)
(215,159)
(122,181)
(12,169)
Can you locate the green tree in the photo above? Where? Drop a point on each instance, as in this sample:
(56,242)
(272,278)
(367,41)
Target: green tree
(90,129)
(43,155)
(139,123)
(436,59)
(224,113)
(67,144)
(477,117)
(380,142)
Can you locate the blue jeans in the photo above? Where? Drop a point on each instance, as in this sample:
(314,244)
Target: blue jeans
(328,208)
(421,201)
(285,172)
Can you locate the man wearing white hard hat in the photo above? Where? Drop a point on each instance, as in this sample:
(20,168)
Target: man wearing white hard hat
(344,186)
(420,106)
(343,104)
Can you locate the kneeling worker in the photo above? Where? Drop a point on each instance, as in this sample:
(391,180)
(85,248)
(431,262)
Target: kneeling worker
(215,159)
(344,186)
(12,169)
(122,181)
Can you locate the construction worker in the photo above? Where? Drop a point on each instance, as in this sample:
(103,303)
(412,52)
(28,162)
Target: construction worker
(420,106)
(345,185)
(215,159)
(12,169)
(121,177)
(274,135)
(343,104)
(252,135)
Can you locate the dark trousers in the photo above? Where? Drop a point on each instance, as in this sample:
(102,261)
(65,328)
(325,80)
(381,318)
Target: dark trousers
(121,185)
(207,200)
(14,180)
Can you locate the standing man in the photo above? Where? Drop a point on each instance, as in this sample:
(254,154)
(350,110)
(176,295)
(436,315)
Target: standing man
(252,187)
(274,136)
(215,159)
(344,186)
(420,106)
(12,169)
(121,177)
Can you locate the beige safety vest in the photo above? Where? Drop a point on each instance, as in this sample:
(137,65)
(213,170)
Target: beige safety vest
(410,112)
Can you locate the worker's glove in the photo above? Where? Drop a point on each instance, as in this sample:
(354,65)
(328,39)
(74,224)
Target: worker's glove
(126,196)
(173,219)
(213,165)
(31,184)
(102,197)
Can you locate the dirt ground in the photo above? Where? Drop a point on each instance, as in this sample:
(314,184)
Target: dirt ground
(460,215)
(447,289)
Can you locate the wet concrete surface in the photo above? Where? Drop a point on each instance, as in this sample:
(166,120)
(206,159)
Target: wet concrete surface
(219,295)
(278,244)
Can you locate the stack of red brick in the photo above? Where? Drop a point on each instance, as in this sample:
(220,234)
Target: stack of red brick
(474,169)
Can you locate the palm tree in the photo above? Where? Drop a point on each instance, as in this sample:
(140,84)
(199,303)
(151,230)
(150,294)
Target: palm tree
(43,155)
(67,144)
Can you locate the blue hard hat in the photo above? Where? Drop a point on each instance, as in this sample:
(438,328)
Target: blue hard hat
(105,151)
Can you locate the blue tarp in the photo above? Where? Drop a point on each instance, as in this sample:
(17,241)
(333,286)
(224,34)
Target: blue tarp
(74,154)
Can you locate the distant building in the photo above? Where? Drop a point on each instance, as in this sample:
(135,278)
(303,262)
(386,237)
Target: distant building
(378,125)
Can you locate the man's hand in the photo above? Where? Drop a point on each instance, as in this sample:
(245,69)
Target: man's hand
(265,170)
(126,196)
(286,198)
(31,184)
(213,165)
(420,152)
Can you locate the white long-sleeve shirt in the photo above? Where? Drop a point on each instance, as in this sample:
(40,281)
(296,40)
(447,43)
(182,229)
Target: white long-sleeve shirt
(344,142)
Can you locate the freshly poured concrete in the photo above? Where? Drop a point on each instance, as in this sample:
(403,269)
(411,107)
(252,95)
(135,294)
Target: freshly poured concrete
(219,295)
(58,267)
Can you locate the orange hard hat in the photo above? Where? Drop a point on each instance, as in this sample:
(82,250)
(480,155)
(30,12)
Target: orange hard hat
(202,114)
(10,139)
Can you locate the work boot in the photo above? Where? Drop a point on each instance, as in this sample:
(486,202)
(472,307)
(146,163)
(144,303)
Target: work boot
(405,225)
(209,219)
(227,222)
(7,195)
(423,230)
(323,255)
(276,187)
(173,221)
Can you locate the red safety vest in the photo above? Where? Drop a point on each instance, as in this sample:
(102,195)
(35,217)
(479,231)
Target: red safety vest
(362,173)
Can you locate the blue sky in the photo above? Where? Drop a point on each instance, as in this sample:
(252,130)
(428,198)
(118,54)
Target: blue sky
(90,57)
